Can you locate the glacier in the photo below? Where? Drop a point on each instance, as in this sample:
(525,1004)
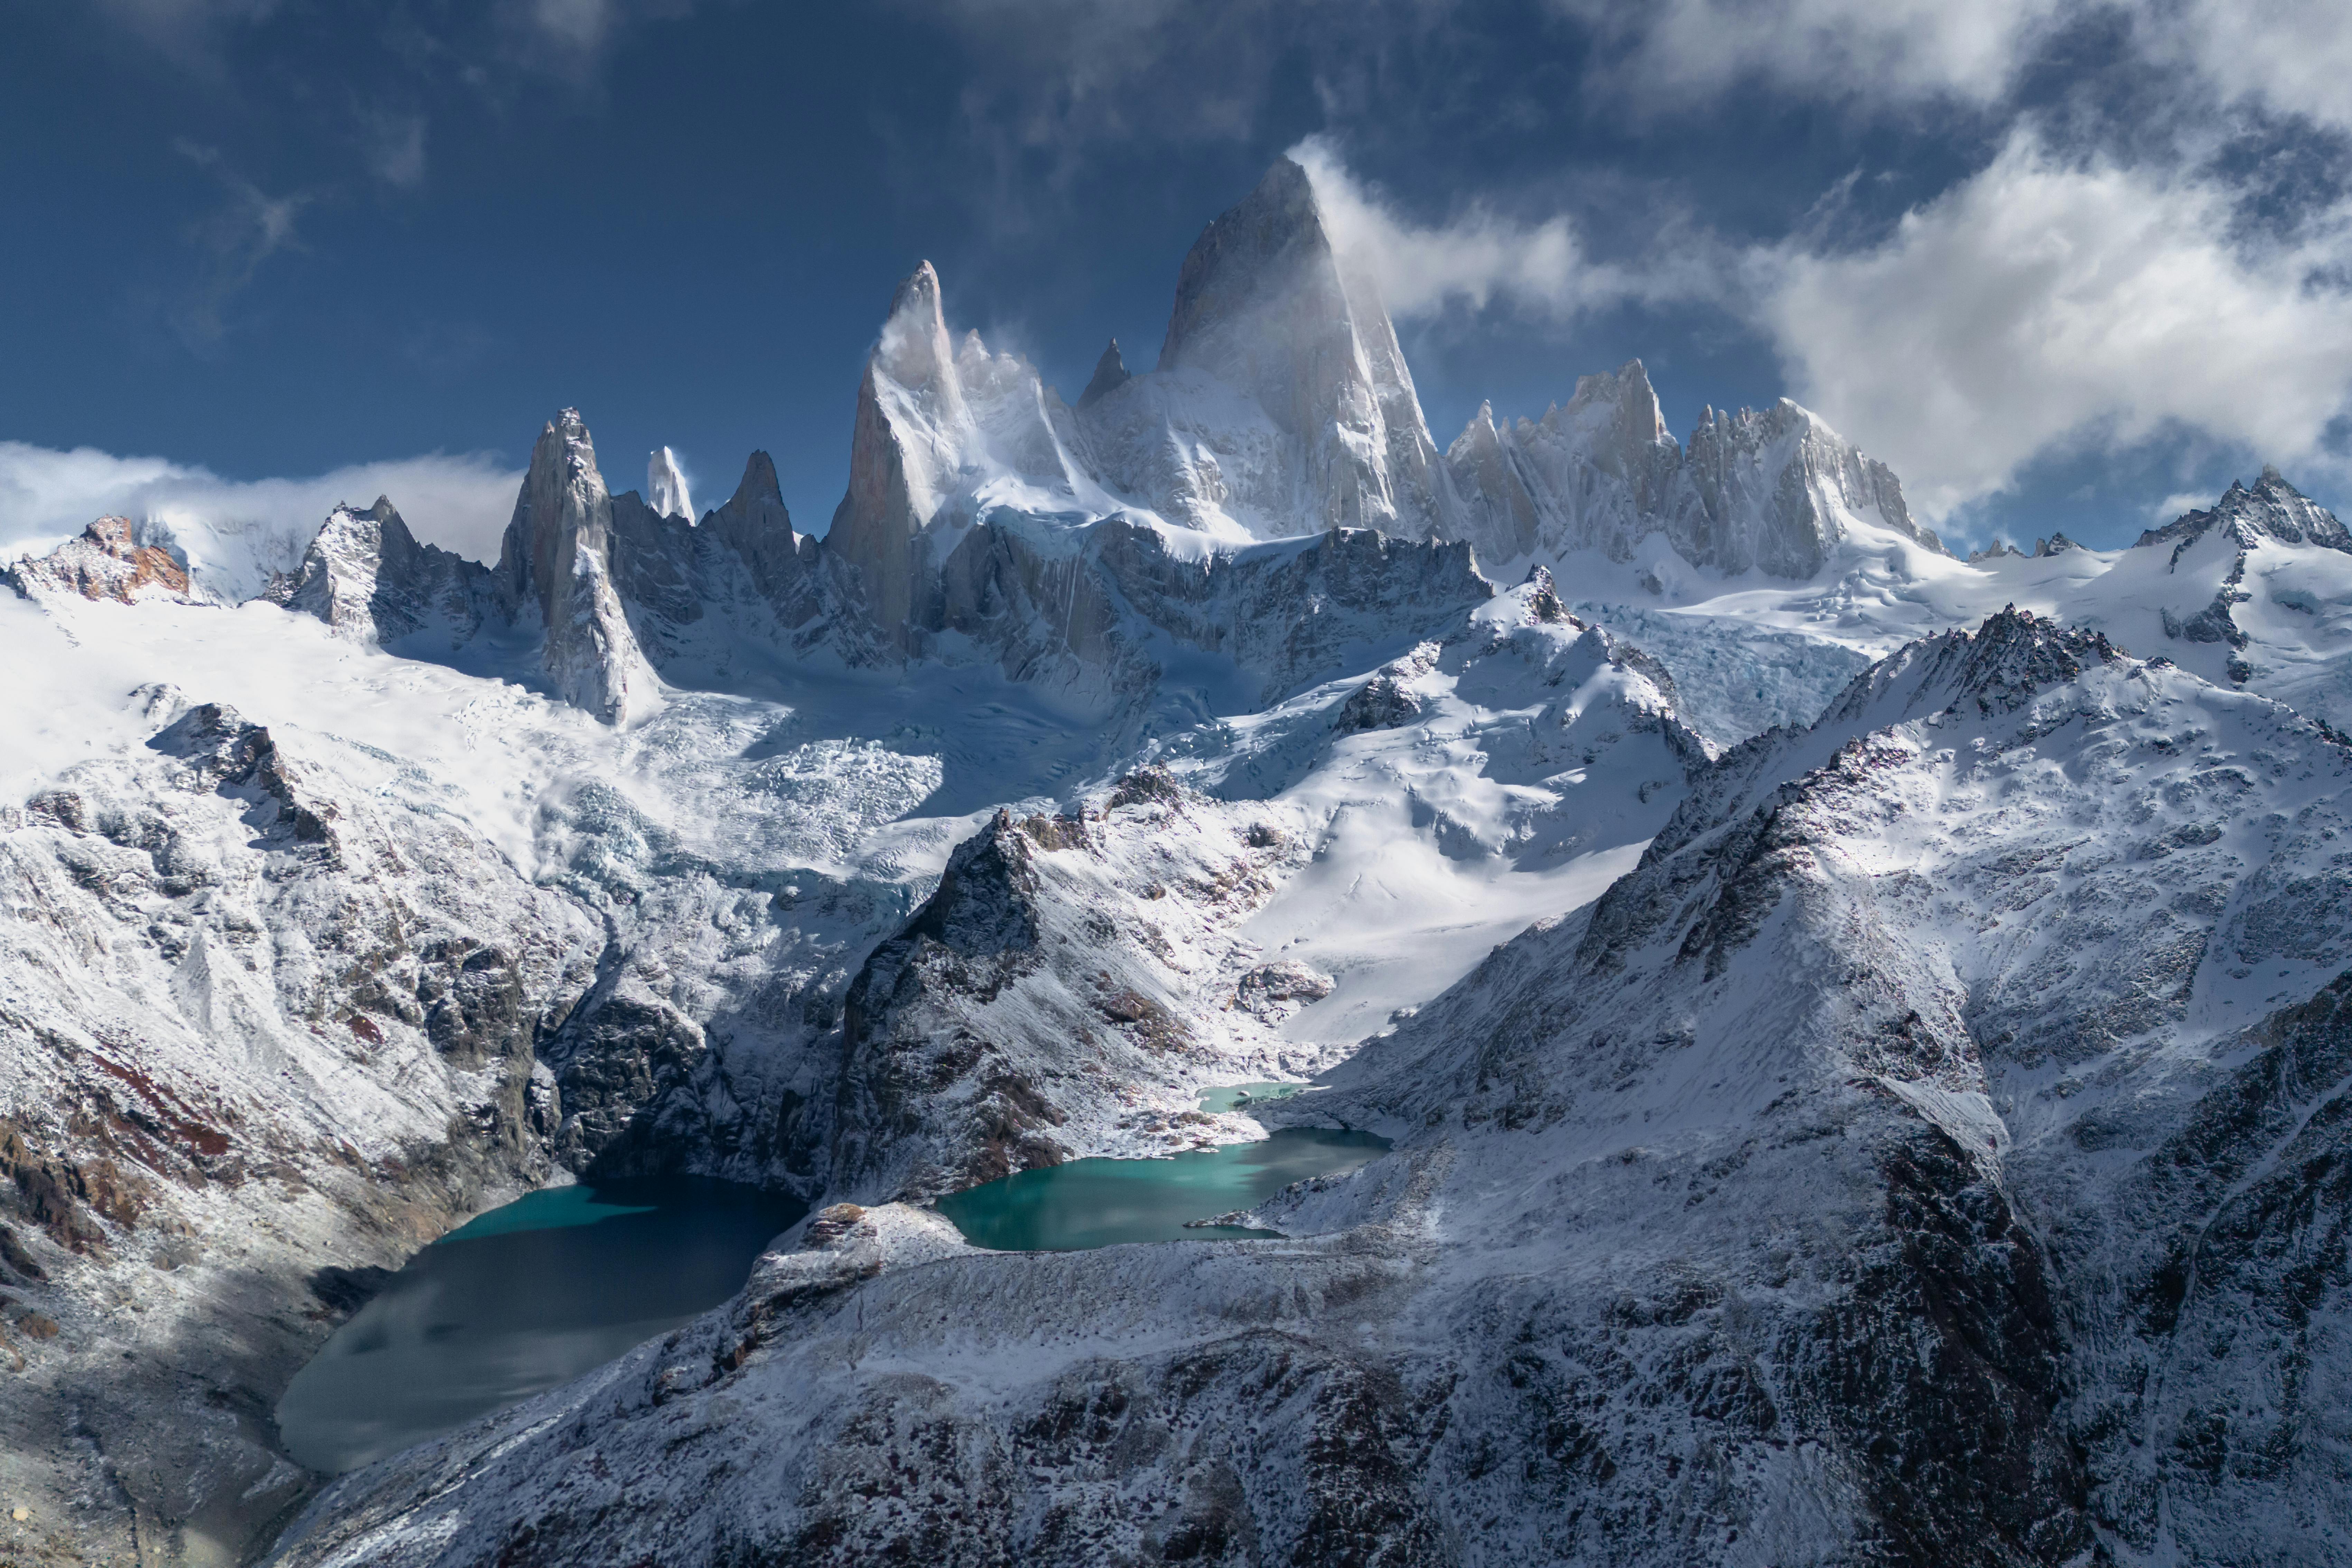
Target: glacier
(1863,1031)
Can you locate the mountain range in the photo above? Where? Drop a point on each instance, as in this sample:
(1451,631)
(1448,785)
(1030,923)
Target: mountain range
(1864,1033)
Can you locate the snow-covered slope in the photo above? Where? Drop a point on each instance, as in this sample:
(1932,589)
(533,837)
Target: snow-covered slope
(2253,592)
(1856,1080)
(388,910)
(1922,1156)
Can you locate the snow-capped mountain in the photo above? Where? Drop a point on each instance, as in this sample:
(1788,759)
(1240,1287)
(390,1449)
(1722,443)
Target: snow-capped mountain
(1924,1155)
(1859,1028)
(1776,492)
(666,488)
(107,562)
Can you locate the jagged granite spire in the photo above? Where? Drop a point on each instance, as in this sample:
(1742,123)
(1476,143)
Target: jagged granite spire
(1265,305)
(937,425)
(1111,374)
(1770,490)
(557,555)
(756,525)
(368,576)
(665,489)
(891,476)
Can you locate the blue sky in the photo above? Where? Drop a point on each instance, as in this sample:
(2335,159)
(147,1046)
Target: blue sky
(2064,264)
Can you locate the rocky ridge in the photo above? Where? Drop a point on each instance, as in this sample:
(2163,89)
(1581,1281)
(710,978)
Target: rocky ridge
(1811,1163)
(263,1032)
(106,561)
(1865,1052)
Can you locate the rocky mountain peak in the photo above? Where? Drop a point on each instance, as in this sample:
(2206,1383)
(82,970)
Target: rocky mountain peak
(2016,653)
(368,576)
(757,525)
(1111,374)
(1271,242)
(558,554)
(563,502)
(106,561)
(758,490)
(1621,403)
(1267,307)
(666,487)
(914,348)
(2272,510)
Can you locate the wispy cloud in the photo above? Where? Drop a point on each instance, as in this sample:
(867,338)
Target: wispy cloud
(396,148)
(1826,49)
(574,38)
(1480,257)
(189,33)
(236,238)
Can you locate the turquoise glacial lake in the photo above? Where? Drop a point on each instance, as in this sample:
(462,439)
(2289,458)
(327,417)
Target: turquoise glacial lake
(520,1299)
(1101,1202)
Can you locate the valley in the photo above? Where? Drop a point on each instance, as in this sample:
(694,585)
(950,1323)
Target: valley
(1764,1041)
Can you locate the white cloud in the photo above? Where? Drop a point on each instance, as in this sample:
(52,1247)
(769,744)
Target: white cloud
(1479,256)
(235,532)
(1839,48)
(2043,303)
(2292,56)
(184,29)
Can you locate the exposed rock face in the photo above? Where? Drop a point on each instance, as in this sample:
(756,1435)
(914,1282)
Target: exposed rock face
(1096,621)
(1772,491)
(666,487)
(261,1032)
(1062,961)
(2272,510)
(941,435)
(1970,1219)
(366,575)
(557,556)
(105,562)
(1264,308)
(2242,522)
(784,566)
(1111,374)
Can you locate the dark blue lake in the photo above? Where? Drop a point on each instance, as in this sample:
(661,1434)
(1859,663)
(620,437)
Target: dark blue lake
(519,1300)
